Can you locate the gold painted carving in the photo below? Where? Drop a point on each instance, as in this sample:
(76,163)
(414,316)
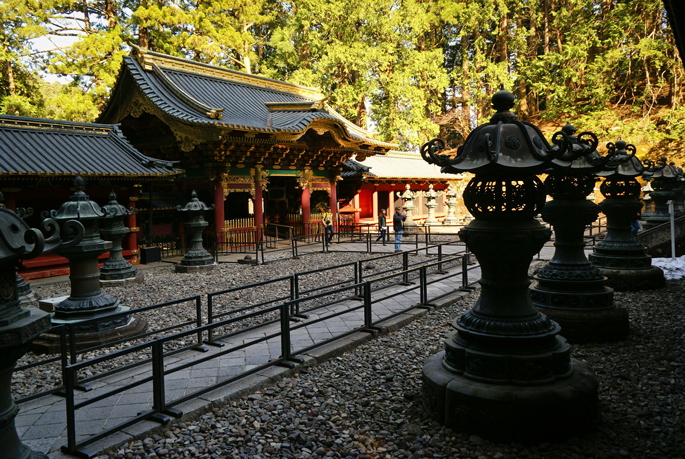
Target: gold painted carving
(186,140)
(303,178)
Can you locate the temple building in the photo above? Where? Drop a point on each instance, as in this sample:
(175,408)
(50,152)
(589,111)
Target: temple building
(262,151)
(376,182)
(40,158)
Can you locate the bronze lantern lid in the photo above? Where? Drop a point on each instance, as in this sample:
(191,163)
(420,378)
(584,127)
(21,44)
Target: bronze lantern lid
(113,209)
(622,162)
(502,146)
(79,206)
(194,205)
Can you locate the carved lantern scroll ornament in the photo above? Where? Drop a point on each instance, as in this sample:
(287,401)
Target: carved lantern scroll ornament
(20,326)
(505,373)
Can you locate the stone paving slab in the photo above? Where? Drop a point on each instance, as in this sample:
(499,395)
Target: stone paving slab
(41,423)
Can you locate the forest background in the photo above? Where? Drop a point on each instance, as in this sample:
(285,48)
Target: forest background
(409,69)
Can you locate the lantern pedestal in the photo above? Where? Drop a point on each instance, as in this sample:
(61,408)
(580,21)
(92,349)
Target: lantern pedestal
(15,340)
(507,413)
(196,258)
(569,289)
(660,214)
(116,270)
(194,269)
(49,343)
(619,257)
(505,374)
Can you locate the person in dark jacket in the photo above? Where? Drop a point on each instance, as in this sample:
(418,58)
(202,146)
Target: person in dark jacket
(381,226)
(397,225)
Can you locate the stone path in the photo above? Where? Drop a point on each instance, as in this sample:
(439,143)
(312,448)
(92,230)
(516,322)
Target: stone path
(41,423)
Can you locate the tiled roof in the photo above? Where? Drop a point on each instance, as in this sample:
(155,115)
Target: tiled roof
(203,94)
(33,146)
(404,165)
(352,168)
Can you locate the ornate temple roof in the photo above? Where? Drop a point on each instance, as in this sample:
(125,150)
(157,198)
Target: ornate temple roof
(201,96)
(40,147)
(399,166)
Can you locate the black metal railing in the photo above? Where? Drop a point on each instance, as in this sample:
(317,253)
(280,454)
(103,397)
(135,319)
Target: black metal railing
(70,352)
(279,313)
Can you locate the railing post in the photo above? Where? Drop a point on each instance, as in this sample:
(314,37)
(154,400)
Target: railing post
(368,319)
(423,287)
(464,271)
(294,307)
(440,271)
(158,395)
(63,350)
(285,331)
(69,382)
(210,318)
(358,275)
(198,321)
(368,242)
(405,267)
(72,344)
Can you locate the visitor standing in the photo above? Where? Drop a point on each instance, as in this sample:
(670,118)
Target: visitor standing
(328,223)
(381,226)
(397,225)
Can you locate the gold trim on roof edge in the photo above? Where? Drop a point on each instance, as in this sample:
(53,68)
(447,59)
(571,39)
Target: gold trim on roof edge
(210,112)
(148,58)
(45,125)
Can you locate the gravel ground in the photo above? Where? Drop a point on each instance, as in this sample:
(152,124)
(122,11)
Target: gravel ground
(162,284)
(366,404)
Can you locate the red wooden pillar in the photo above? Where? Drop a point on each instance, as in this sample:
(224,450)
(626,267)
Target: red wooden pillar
(219,217)
(355,204)
(306,209)
(132,237)
(391,203)
(374,203)
(258,208)
(333,202)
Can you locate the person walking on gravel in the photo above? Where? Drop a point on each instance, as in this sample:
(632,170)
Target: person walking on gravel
(397,225)
(381,226)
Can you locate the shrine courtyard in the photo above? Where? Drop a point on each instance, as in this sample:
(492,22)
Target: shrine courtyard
(364,402)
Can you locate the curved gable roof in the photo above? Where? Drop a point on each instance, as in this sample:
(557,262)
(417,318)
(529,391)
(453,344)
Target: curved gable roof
(202,94)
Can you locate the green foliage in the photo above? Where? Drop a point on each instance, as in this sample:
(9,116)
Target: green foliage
(411,69)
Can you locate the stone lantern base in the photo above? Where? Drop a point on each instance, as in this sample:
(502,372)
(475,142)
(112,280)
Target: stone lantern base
(180,268)
(506,413)
(590,325)
(138,278)
(49,343)
(631,279)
